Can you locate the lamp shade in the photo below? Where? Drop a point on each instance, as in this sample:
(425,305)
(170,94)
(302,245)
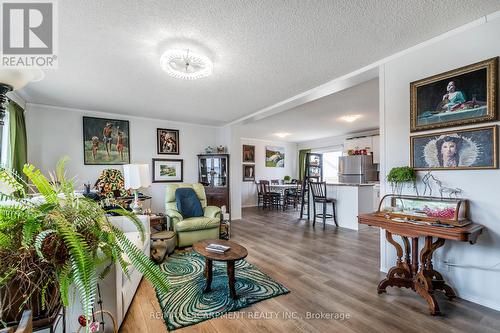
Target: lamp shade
(17,78)
(136,176)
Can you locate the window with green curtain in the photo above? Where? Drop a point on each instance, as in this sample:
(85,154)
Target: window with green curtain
(302,162)
(17,136)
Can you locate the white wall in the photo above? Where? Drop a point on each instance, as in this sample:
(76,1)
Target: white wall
(54,132)
(249,189)
(333,141)
(475,279)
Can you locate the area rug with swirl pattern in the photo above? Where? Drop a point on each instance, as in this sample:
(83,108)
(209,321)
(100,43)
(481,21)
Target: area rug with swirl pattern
(185,303)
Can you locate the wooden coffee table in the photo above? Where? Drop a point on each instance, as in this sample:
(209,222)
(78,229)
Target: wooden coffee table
(235,253)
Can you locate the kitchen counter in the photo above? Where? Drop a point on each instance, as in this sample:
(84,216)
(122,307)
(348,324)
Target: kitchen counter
(351,200)
(351,184)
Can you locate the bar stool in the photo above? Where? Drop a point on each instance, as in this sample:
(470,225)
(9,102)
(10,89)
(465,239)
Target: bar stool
(318,191)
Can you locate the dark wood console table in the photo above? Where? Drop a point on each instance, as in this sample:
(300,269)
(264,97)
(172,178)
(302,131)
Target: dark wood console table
(414,271)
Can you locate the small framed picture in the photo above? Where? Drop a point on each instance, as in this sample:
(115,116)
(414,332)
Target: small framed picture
(167,141)
(248,173)
(167,171)
(248,154)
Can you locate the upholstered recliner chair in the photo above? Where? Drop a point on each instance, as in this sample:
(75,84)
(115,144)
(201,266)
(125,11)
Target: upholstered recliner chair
(193,229)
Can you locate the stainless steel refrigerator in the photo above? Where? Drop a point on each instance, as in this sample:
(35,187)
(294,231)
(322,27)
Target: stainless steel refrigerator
(357,169)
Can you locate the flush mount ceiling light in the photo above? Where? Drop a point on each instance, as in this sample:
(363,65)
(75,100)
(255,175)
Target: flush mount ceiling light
(350,118)
(282,134)
(186,64)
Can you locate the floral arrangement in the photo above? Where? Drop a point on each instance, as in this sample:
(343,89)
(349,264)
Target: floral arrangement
(446,213)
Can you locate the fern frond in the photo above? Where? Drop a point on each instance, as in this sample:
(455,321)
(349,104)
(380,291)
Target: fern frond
(39,241)
(133,217)
(30,228)
(82,264)
(65,280)
(41,183)
(143,264)
(5,241)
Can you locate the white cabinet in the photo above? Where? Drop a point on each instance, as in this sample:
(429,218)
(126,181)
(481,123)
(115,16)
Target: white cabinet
(372,142)
(376,148)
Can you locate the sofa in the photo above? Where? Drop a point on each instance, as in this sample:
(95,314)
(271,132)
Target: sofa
(194,229)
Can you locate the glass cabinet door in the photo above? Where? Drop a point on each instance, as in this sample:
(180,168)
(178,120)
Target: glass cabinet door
(213,171)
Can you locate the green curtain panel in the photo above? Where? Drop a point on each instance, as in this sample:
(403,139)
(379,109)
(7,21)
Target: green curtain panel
(302,162)
(18,142)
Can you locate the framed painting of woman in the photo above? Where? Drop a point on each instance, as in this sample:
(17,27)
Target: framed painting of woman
(466,95)
(472,148)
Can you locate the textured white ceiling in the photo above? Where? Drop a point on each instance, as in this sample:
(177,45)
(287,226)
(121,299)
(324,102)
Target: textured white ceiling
(264,51)
(321,118)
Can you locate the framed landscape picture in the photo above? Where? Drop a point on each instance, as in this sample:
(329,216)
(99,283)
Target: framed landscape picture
(167,171)
(275,157)
(473,148)
(466,95)
(106,141)
(248,154)
(248,173)
(167,141)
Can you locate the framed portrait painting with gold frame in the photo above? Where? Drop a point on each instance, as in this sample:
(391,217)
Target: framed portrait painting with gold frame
(463,149)
(465,95)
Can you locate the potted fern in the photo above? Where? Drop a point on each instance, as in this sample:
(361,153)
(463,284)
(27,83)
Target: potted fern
(399,177)
(57,240)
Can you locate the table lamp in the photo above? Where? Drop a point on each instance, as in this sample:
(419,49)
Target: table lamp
(136,177)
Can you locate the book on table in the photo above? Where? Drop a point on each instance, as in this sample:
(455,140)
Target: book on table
(217,248)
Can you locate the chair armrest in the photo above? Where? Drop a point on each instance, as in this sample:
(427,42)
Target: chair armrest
(173,214)
(211,211)
(173,218)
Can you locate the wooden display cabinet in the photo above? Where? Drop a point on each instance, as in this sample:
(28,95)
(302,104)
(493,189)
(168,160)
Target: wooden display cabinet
(213,173)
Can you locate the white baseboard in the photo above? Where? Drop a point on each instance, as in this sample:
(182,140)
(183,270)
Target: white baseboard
(249,206)
(478,300)
(471,298)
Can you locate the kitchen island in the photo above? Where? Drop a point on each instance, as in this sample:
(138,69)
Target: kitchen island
(351,200)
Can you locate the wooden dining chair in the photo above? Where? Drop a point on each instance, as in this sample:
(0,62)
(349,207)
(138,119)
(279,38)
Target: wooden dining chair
(269,199)
(260,198)
(291,197)
(25,325)
(318,191)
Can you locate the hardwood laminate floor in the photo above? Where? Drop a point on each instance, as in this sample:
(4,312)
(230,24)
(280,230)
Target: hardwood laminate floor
(332,275)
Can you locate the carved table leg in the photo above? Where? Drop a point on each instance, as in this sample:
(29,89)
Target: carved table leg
(407,262)
(422,282)
(428,280)
(231,279)
(399,275)
(438,282)
(208,275)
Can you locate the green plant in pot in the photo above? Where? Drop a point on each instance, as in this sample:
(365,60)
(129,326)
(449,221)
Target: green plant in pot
(287,179)
(56,240)
(400,177)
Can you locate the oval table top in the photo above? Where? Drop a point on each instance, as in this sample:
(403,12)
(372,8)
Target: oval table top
(236,251)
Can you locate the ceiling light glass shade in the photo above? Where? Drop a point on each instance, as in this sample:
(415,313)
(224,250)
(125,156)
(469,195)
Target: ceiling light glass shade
(282,134)
(17,78)
(186,65)
(350,118)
